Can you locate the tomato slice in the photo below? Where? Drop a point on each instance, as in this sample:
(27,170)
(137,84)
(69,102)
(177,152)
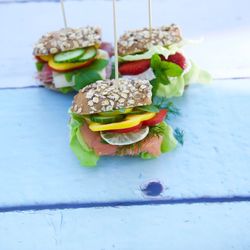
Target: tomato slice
(134,67)
(158,118)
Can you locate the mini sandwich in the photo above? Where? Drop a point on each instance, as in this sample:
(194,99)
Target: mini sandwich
(157,56)
(70,59)
(116,117)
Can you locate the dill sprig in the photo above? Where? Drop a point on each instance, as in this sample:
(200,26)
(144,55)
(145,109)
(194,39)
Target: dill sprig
(179,135)
(127,149)
(163,103)
(157,130)
(172,109)
(103,141)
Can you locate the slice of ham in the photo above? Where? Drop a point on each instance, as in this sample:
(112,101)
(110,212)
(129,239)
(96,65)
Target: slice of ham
(107,47)
(45,75)
(152,144)
(108,70)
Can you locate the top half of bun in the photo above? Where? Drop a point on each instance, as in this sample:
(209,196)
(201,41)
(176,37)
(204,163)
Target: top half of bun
(108,95)
(67,39)
(137,41)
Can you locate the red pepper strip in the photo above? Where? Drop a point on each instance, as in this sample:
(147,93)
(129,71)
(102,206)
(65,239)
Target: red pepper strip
(158,118)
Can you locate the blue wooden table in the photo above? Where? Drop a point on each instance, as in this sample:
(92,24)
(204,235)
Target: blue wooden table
(197,197)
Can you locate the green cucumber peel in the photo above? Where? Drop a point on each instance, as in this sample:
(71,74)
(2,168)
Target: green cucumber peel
(69,56)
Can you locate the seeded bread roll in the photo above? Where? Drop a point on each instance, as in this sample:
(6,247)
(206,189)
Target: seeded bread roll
(138,41)
(67,39)
(104,95)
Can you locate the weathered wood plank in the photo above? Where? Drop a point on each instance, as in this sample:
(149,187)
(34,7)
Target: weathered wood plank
(37,165)
(223,24)
(200,226)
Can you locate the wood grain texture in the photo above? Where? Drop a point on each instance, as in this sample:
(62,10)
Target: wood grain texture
(224,25)
(37,165)
(201,226)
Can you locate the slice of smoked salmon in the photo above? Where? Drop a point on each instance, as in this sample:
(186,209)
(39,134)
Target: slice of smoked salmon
(94,141)
(152,144)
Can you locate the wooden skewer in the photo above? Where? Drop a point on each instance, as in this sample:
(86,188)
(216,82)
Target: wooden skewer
(115,42)
(64,15)
(150,19)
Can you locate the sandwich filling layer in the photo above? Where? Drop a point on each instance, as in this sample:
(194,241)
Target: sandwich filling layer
(76,74)
(117,117)
(145,138)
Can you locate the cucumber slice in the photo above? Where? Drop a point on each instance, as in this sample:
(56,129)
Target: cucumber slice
(116,112)
(106,119)
(89,54)
(69,56)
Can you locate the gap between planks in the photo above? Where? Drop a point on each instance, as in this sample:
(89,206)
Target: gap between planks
(112,204)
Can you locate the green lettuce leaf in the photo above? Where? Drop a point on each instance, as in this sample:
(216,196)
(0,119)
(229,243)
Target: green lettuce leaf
(97,65)
(39,66)
(177,84)
(66,90)
(84,76)
(159,50)
(85,155)
(147,156)
(69,76)
(174,88)
(169,142)
(196,75)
